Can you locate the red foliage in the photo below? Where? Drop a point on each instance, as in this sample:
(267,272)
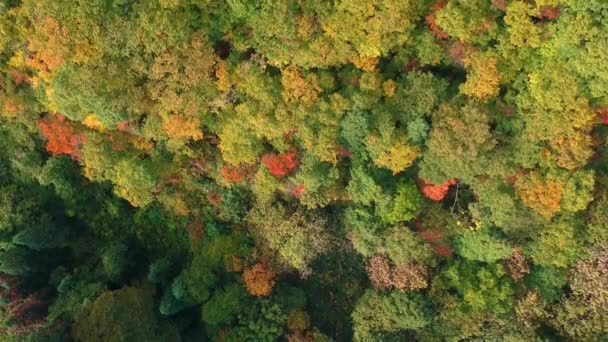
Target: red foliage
(435,239)
(295,190)
(412,64)
(280,165)
(549,13)
(344,152)
(430,20)
(459,51)
(444,250)
(19,77)
(25,309)
(435,192)
(61,136)
(602,113)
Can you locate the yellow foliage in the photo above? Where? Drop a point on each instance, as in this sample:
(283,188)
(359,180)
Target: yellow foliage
(179,127)
(522,30)
(572,152)
(92,122)
(223,78)
(296,87)
(389,87)
(365,63)
(483,78)
(398,157)
(307,26)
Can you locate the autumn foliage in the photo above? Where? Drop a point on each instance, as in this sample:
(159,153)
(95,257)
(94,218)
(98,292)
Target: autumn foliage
(233,174)
(517,264)
(280,165)
(383,274)
(540,193)
(259,280)
(61,136)
(430,20)
(602,114)
(435,192)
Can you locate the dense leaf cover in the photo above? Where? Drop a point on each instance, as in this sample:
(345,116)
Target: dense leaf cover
(348,170)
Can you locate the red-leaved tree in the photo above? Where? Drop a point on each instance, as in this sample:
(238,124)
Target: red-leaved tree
(435,192)
(280,165)
(61,136)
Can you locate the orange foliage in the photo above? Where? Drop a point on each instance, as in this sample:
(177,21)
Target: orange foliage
(281,164)
(214,199)
(549,12)
(124,126)
(259,280)
(223,79)
(233,174)
(541,194)
(61,136)
(49,48)
(430,20)
(179,127)
(435,192)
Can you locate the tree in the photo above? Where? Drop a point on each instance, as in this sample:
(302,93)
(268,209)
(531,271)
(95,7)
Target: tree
(478,288)
(404,206)
(483,79)
(458,145)
(120,315)
(481,245)
(280,165)
(541,193)
(379,314)
(259,280)
(295,238)
(583,315)
(61,136)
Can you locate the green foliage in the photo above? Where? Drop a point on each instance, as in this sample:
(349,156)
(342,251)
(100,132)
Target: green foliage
(120,315)
(404,206)
(404,247)
(480,245)
(478,288)
(263,321)
(195,139)
(557,244)
(296,239)
(378,314)
(222,308)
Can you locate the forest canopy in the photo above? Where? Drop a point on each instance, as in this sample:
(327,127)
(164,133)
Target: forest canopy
(303,171)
